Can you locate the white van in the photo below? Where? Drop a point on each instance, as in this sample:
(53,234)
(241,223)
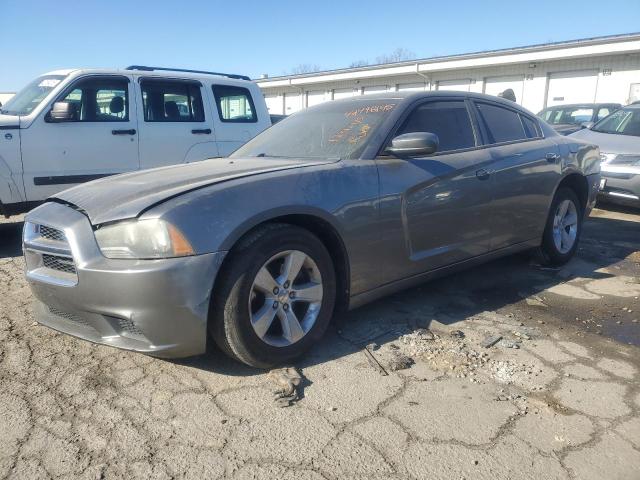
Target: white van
(71,126)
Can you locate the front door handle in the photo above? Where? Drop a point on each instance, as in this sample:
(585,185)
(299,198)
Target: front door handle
(123,132)
(483,174)
(204,131)
(552,157)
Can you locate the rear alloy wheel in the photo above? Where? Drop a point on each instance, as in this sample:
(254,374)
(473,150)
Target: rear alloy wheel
(274,297)
(563,228)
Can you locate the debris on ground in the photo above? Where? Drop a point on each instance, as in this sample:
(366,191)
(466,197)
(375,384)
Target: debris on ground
(506,371)
(490,341)
(373,361)
(457,334)
(444,353)
(287,381)
(509,343)
(400,361)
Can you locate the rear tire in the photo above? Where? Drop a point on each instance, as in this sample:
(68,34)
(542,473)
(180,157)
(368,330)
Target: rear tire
(264,314)
(562,231)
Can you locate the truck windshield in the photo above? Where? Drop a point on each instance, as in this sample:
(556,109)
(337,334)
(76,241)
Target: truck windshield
(625,121)
(27,99)
(567,115)
(331,130)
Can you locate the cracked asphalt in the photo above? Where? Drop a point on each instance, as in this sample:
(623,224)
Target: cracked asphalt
(557,397)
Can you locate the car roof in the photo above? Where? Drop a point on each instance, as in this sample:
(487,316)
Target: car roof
(150,72)
(582,105)
(416,95)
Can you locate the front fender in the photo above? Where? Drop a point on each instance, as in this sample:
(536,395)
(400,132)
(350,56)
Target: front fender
(342,194)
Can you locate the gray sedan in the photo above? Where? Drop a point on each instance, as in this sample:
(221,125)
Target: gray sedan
(330,208)
(618,137)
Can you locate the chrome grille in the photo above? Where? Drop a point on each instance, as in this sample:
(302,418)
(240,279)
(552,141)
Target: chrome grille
(51,233)
(61,264)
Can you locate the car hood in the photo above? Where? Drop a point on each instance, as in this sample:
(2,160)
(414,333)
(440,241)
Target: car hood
(9,121)
(128,195)
(610,142)
(566,128)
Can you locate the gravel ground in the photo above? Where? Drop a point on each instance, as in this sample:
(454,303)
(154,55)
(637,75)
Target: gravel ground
(556,396)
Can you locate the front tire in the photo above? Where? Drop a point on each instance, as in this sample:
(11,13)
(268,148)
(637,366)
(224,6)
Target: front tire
(275,296)
(562,231)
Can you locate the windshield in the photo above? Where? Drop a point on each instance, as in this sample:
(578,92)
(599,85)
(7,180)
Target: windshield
(625,121)
(567,115)
(26,100)
(331,130)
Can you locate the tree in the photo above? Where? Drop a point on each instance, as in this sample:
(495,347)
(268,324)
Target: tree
(359,63)
(305,68)
(398,55)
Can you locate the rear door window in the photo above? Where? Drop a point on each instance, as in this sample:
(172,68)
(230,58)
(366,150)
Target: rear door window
(449,120)
(172,101)
(234,104)
(501,124)
(530,127)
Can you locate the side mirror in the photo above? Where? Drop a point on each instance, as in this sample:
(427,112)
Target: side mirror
(62,112)
(416,144)
(587,125)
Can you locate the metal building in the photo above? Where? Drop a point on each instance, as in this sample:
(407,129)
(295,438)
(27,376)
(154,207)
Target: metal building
(602,69)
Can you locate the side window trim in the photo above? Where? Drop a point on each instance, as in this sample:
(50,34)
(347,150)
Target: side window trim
(99,76)
(414,106)
(243,90)
(536,125)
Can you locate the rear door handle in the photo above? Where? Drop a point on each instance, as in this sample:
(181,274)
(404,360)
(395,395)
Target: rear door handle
(123,132)
(483,174)
(552,157)
(204,131)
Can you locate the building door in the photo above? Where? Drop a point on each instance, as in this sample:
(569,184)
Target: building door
(274,104)
(497,85)
(572,87)
(315,97)
(462,85)
(292,103)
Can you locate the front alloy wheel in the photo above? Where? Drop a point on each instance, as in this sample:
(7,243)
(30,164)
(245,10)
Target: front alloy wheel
(285,299)
(274,296)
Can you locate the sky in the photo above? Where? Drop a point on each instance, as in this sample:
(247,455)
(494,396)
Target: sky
(274,37)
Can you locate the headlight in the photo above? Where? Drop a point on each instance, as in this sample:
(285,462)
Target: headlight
(142,239)
(607,157)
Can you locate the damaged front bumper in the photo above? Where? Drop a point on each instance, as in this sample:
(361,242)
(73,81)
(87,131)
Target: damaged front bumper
(159,307)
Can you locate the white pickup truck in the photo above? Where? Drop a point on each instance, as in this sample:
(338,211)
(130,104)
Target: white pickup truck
(71,126)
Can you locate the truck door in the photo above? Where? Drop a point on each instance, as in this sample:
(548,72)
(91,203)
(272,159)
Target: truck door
(174,125)
(99,140)
(236,117)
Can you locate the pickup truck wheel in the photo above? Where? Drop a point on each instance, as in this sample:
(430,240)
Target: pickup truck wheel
(275,296)
(563,228)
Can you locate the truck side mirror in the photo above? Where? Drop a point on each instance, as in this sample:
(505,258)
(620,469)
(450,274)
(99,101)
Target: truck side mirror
(416,144)
(587,125)
(62,112)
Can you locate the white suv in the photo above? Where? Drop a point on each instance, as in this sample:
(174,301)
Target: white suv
(72,126)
